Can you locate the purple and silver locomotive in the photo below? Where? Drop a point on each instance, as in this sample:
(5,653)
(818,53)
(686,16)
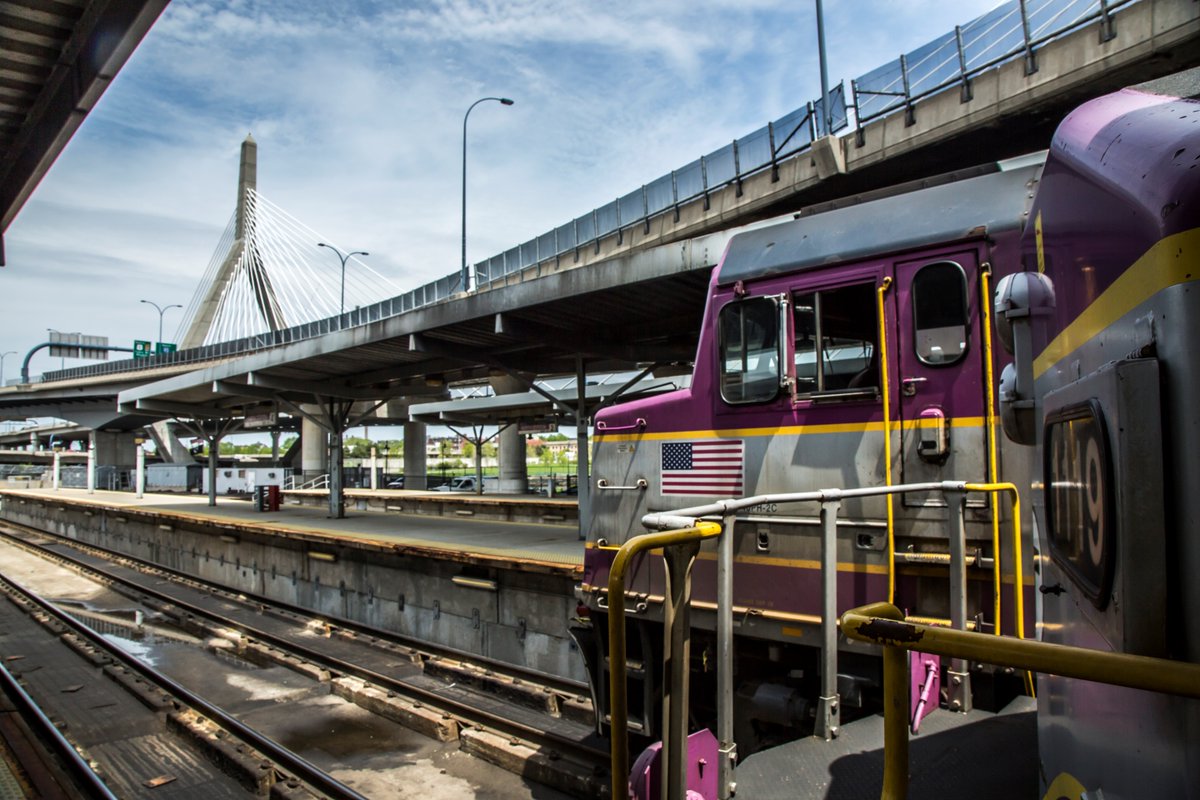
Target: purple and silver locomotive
(1032,324)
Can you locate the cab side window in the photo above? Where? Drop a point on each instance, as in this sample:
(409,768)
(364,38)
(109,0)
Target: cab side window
(836,335)
(749,331)
(939,299)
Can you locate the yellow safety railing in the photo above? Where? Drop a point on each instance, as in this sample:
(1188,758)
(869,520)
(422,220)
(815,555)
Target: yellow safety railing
(887,435)
(618,700)
(1018,570)
(688,528)
(884,624)
(985,306)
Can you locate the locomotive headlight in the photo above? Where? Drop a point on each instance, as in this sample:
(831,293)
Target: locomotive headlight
(1019,298)
(1016,413)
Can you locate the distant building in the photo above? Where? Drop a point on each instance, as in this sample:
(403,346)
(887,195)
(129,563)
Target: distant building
(553,446)
(450,446)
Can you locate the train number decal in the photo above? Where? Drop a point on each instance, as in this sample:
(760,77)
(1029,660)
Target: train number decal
(1079,486)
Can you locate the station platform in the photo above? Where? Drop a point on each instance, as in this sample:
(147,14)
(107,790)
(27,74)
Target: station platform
(431,522)
(494,506)
(981,755)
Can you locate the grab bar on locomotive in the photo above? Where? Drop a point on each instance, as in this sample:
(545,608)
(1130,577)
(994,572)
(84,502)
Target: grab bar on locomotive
(639,484)
(884,624)
(638,425)
(828,717)
(680,548)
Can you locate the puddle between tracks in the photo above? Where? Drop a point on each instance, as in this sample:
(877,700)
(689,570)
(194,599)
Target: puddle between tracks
(379,758)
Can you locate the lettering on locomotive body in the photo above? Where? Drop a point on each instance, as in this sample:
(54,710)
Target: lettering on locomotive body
(1078,501)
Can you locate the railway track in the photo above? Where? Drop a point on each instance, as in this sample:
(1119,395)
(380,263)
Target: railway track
(288,768)
(48,765)
(529,722)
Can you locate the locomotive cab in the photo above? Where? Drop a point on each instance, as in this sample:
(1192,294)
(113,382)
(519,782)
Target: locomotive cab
(843,349)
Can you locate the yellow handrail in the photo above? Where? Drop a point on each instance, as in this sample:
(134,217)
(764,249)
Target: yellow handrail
(617,698)
(887,435)
(1018,571)
(985,308)
(884,624)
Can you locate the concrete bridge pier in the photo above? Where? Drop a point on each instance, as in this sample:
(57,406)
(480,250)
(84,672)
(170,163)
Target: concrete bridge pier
(415,474)
(115,448)
(314,448)
(514,473)
(166,439)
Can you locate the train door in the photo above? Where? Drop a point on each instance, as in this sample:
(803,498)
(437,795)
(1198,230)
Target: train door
(939,354)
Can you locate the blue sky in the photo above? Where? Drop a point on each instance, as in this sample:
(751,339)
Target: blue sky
(357,110)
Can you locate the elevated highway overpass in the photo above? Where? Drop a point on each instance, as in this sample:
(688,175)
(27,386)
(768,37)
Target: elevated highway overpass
(630,298)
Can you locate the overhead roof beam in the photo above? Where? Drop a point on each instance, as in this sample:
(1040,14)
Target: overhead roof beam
(422,343)
(316,388)
(244,390)
(569,342)
(594,344)
(167,408)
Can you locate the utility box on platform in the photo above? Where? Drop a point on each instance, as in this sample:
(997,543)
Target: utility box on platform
(244,480)
(173,477)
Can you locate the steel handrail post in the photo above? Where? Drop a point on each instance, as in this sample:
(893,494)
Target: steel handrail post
(828,712)
(959,672)
(617,697)
(727,747)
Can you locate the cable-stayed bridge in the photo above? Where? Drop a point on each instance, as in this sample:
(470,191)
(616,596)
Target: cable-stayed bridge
(267,273)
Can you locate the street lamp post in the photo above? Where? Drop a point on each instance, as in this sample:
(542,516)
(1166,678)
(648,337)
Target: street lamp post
(344,258)
(2,357)
(161,310)
(466,285)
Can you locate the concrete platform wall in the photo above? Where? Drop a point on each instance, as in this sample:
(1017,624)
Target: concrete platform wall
(447,504)
(523,621)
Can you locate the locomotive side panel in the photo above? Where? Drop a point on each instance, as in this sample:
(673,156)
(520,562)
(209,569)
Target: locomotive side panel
(1116,385)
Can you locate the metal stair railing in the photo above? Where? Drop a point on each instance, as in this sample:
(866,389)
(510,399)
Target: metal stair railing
(319,482)
(687,525)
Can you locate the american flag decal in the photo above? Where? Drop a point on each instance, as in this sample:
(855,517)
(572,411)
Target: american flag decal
(708,468)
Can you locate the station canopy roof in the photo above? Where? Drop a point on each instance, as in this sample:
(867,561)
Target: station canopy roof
(554,406)
(56,59)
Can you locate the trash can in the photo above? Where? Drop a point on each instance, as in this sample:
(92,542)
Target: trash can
(260,498)
(274,497)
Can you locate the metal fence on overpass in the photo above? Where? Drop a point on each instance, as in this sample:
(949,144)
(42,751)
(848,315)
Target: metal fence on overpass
(1012,30)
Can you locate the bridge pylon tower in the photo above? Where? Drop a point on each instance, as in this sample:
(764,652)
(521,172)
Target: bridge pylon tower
(244,258)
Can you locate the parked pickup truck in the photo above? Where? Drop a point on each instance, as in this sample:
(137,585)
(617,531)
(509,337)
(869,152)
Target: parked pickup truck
(466,483)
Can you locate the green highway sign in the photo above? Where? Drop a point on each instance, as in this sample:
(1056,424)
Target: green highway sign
(141,349)
(166,347)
